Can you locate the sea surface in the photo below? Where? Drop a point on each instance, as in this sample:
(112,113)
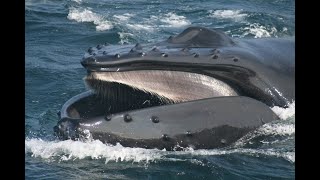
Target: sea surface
(58,32)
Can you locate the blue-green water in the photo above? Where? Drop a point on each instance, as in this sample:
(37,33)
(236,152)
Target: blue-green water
(58,32)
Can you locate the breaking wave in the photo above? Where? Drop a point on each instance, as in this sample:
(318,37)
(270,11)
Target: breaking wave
(228,14)
(285,113)
(72,150)
(259,31)
(174,20)
(85,15)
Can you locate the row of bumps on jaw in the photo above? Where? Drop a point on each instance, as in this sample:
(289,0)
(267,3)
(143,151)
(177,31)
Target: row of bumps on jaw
(155,51)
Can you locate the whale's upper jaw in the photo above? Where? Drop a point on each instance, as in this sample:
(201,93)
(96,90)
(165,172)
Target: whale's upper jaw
(179,60)
(196,45)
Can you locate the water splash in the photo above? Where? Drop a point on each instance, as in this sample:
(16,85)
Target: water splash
(85,15)
(259,31)
(236,15)
(174,20)
(71,150)
(285,113)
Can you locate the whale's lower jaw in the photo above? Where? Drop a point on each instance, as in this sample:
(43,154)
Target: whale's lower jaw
(204,139)
(149,123)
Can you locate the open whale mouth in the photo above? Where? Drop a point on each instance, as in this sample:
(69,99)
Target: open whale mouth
(130,90)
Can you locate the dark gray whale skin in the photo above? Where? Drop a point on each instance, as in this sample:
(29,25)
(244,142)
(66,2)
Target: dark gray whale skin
(261,71)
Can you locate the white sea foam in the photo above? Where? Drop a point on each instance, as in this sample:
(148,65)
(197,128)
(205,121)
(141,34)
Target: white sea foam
(141,27)
(259,31)
(278,129)
(124,17)
(285,113)
(71,150)
(175,20)
(77,1)
(85,15)
(228,14)
(154,22)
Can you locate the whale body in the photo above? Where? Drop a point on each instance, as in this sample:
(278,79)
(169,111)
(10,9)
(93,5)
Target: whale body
(199,89)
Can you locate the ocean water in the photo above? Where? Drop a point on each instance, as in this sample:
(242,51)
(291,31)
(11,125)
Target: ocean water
(57,34)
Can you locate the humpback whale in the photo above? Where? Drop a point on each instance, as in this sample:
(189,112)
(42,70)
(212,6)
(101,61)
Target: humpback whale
(200,89)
